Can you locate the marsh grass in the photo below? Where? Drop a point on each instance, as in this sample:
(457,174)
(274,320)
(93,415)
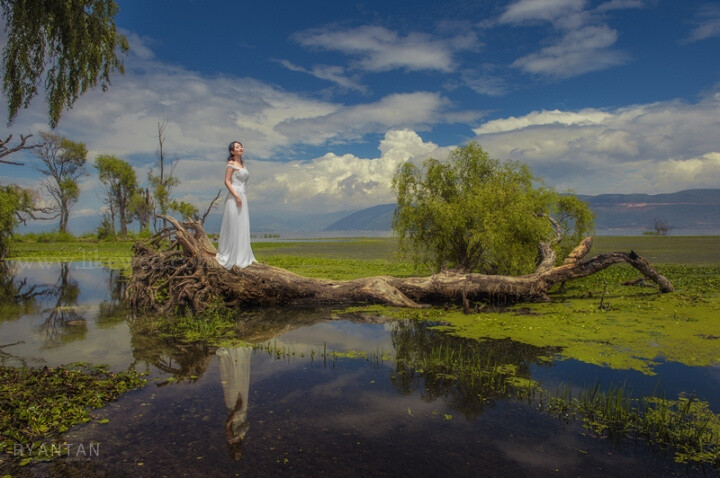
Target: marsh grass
(636,328)
(361,248)
(214,326)
(282,352)
(685,427)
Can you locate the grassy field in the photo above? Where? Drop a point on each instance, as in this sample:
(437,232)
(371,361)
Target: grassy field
(358,257)
(662,250)
(116,255)
(690,250)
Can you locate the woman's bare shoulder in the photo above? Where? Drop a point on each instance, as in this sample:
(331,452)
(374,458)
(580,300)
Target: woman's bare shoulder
(234,165)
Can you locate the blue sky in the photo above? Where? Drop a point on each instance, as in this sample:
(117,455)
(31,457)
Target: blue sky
(611,96)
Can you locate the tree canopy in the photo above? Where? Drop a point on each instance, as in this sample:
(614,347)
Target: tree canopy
(63,161)
(120,181)
(478,214)
(65,46)
(17,205)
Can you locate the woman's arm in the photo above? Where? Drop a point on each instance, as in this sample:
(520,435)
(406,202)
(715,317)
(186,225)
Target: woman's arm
(228,183)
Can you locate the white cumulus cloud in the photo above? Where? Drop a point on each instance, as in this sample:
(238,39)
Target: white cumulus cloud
(688,173)
(377,48)
(400,110)
(657,147)
(335,182)
(205,112)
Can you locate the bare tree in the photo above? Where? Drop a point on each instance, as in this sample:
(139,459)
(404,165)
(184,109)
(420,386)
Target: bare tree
(163,183)
(63,161)
(661,226)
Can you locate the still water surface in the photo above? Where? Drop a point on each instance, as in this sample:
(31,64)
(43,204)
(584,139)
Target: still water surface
(248,412)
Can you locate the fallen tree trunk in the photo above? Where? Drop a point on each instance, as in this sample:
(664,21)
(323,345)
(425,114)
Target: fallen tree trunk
(177,268)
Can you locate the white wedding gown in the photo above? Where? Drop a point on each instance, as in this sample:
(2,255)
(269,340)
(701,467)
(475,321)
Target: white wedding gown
(234,245)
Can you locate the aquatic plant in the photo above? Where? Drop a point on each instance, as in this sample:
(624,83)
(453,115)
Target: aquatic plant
(686,427)
(213,325)
(39,404)
(288,352)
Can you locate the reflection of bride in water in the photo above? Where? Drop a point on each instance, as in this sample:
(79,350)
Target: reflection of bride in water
(235,377)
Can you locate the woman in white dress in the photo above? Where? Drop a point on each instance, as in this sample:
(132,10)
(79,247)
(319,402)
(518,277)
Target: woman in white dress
(234,245)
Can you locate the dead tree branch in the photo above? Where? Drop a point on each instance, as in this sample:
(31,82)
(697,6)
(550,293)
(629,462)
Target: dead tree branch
(5,151)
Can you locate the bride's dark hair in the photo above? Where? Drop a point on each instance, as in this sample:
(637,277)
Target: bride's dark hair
(230,149)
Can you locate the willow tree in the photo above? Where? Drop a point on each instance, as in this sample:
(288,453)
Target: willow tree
(63,46)
(478,214)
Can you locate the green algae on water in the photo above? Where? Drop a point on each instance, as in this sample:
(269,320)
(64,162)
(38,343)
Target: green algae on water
(636,330)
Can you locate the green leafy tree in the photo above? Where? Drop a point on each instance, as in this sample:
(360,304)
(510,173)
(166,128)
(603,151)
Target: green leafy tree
(63,161)
(141,207)
(479,214)
(106,228)
(17,205)
(162,186)
(120,182)
(186,209)
(63,46)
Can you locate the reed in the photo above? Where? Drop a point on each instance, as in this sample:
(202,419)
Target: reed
(685,427)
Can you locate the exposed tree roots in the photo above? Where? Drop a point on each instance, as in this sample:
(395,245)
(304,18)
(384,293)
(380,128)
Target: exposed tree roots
(177,268)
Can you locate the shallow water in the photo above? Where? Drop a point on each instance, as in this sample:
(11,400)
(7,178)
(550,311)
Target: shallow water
(239,411)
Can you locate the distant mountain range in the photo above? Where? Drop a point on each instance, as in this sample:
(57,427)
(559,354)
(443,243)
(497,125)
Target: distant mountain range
(693,211)
(376,218)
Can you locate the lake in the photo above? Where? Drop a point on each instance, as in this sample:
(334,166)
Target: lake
(321,393)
